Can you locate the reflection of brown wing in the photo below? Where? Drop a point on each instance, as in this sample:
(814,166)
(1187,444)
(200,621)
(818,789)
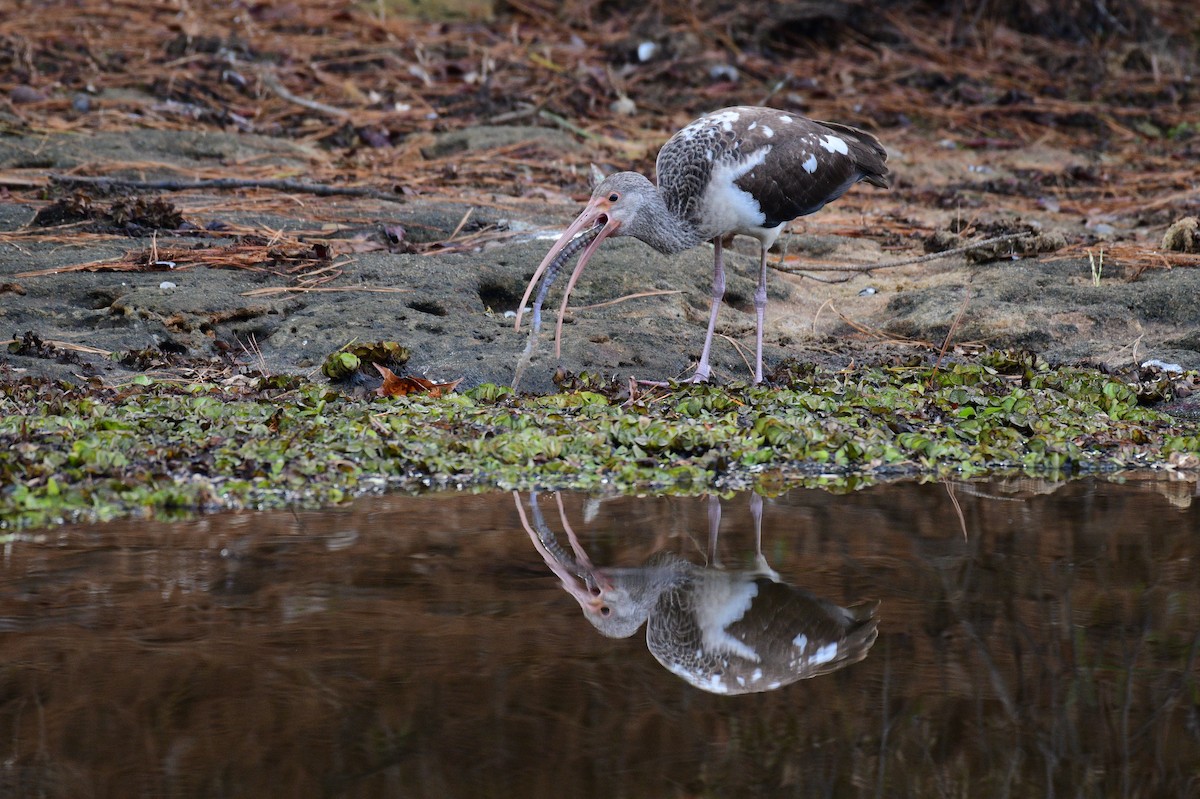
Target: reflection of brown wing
(784,635)
(804,634)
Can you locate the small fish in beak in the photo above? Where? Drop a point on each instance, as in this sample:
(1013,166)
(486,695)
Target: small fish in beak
(589,229)
(595,224)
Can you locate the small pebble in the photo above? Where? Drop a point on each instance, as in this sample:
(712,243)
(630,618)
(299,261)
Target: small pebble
(646,51)
(868,291)
(1183,235)
(723,72)
(166,285)
(25,94)
(623,106)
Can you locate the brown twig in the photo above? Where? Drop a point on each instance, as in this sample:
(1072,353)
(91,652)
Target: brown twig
(272,83)
(318,189)
(962,310)
(628,297)
(791,270)
(306,289)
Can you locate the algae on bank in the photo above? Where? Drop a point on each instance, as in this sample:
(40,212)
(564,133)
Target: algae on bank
(92,452)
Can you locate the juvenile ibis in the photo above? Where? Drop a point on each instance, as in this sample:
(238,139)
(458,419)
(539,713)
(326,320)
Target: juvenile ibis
(741,170)
(725,632)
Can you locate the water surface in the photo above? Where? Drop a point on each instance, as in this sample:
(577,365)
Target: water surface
(1034,639)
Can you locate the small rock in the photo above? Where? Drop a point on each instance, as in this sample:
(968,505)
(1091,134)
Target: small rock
(868,291)
(1183,235)
(723,72)
(623,106)
(166,285)
(646,51)
(25,94)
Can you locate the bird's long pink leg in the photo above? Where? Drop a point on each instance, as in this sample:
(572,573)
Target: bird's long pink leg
(760,310)
(718,292)
(714,530)
(760,562)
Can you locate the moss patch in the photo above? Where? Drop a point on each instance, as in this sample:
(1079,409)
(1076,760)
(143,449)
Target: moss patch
(90,452)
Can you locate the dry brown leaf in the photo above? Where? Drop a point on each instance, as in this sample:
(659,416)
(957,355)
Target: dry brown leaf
(395,386)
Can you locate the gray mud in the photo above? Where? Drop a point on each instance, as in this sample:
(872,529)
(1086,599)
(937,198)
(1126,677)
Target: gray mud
(455,314)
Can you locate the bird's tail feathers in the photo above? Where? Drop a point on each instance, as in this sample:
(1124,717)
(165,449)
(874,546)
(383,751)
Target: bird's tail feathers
(868,152)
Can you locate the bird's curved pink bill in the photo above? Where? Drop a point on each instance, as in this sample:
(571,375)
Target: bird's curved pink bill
(596,213)
(580,579)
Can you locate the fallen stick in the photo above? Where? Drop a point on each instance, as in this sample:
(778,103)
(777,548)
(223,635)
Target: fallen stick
(319,189)
(933,256)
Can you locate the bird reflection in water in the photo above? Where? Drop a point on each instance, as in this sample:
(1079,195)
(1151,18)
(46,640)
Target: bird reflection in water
(723,631)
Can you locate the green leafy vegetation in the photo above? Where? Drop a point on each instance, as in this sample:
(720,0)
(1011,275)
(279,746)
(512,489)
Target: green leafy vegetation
(89,452)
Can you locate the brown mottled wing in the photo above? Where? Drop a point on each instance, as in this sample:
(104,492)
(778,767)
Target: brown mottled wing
(806,167)
(802,171)
(801,635)
(794,635)
(685,163)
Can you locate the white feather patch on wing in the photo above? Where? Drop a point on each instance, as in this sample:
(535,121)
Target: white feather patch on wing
(723,604)
(834,144)
(728,208)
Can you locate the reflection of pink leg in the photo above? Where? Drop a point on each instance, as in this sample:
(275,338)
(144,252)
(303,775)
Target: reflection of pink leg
(576,547)
(760,311)
(760,562)
(714,528)
(718,291)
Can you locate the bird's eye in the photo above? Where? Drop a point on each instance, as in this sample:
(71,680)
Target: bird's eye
(605,610)
(612,198)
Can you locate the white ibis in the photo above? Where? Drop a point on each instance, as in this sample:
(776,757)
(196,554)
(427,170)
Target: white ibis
(726,632)
(742,170)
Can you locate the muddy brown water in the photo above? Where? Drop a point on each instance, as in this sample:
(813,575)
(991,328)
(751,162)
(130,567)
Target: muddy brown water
(1043,644)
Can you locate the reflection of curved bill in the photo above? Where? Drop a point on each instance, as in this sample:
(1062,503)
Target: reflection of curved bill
(727,632)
